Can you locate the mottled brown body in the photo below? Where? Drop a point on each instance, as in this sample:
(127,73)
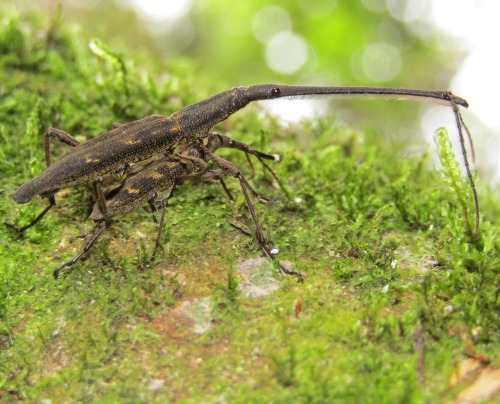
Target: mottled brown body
(158,178)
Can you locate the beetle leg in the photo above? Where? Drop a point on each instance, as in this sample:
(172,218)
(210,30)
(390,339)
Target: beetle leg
(87,247)
(60,135)
(158,245)
(52,202)
(64,138)
(154,209)
(260,235)
(230,143)
(230,168)
(101,201)
(226,189)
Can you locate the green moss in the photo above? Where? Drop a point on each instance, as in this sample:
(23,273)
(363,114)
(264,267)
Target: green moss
(382,242)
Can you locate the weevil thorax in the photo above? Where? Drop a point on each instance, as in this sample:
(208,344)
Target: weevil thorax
(197,119)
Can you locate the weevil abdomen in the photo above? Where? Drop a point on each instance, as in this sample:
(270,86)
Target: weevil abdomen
(129,143)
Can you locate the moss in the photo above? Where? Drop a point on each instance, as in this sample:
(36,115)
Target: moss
(382,242)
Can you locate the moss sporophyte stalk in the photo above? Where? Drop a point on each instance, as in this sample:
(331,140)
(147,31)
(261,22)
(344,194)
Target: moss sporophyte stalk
(453,176)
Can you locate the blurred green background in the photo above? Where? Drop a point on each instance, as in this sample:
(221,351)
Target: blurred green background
(301,41)
(326,42)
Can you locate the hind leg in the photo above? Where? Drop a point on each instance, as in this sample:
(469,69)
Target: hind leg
(64,138)
(230,169)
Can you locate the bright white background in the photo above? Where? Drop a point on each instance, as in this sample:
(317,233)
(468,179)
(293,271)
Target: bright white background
(476,23)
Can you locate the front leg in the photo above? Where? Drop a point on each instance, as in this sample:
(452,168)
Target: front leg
(60,135)
(259,234)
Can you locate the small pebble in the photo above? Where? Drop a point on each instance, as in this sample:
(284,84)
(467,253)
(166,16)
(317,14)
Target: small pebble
(155,384)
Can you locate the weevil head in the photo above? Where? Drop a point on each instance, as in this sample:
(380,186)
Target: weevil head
(263,92)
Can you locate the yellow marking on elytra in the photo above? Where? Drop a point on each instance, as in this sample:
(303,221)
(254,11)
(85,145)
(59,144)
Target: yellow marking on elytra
(174,115)
(132,141)
(155,132)
(133,191)
(89,160)
(156,176)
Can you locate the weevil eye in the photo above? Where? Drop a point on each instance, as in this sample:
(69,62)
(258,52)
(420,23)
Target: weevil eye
(275,92)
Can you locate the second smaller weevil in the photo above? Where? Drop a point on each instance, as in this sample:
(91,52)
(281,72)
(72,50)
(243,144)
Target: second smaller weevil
(161,176)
